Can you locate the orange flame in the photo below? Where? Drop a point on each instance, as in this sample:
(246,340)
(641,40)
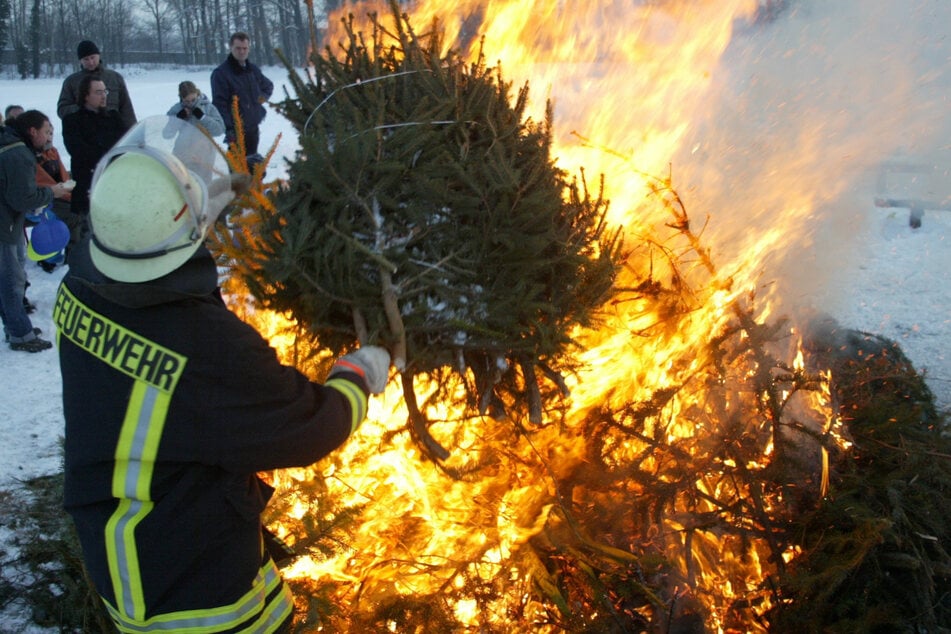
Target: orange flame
(631,85)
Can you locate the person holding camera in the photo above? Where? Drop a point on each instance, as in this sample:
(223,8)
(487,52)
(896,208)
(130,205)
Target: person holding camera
(196,108)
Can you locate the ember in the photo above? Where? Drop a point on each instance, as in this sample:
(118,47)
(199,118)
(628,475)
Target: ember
(716,468)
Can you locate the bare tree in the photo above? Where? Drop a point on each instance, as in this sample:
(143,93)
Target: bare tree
(4,22)
(44,33)
(162,13)
(36,41)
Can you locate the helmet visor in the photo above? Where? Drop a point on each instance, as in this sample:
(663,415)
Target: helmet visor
(199,161)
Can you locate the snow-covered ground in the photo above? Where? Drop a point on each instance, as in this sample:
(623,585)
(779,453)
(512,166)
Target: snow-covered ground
(894,281)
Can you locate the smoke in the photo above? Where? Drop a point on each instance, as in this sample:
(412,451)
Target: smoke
(806,109)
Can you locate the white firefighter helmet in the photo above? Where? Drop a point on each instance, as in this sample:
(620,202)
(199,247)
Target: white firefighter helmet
(145,221)
(149,213)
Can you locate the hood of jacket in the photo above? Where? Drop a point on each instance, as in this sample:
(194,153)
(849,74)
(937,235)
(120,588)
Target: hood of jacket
(203,101)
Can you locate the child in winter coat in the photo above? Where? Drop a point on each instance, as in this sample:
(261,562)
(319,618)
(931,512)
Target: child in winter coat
(195,108)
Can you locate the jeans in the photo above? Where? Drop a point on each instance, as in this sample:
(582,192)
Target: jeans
(16,324)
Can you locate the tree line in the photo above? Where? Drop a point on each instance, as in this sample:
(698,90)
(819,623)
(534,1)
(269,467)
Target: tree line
(39,37)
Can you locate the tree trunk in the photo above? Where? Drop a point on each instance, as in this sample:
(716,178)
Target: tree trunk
(263,32)
(36,40)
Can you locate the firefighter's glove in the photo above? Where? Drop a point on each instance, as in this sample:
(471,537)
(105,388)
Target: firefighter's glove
(198,112)
(183,114)
(371,363)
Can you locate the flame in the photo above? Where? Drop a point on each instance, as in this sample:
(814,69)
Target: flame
(631,83)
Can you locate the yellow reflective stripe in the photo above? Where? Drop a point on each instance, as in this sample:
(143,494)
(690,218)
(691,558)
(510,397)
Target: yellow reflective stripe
(124,350)
(138,443)
(123,557)
(223,618)
(356,398)
(275,613)
(135,456)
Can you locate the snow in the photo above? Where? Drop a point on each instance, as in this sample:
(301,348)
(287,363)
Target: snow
(894,280)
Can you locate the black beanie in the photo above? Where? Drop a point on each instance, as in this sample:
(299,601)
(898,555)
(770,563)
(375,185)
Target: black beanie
(86,48)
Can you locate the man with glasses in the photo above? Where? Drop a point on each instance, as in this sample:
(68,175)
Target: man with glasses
(88,133)
(91,64)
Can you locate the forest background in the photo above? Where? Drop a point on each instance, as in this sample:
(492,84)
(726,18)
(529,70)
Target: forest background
(38,37)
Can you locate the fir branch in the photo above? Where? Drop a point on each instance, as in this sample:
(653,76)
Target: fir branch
(356,245)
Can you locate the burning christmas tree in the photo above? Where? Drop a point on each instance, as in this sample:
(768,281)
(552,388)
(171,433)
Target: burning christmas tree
(424,212)
(712,485)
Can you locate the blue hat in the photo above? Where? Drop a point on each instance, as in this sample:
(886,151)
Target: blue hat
(47,239)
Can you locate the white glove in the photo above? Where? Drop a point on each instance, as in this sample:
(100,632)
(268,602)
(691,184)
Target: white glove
(370,362)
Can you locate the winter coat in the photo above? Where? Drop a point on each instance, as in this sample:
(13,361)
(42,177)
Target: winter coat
(117,99)
(248,83)
(88,135)
(172,404)
(50,169)
(210,118)
(19,193)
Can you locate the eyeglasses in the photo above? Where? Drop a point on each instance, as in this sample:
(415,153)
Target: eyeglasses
(100,92)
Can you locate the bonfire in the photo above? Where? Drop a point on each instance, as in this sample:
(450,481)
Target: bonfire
(622,438)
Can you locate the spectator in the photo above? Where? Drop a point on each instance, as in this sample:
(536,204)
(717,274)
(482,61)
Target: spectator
(19,195)
(195,108)
(9,114)
(238,77)
(168,425)
(88,133)
(49,171)
(91,63)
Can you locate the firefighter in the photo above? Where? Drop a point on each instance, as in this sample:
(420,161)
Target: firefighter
(172,403)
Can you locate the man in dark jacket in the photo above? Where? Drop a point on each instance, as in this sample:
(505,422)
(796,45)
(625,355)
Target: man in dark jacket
(88,133)
(91,63)
(172,403)
(238,77)
(20,195)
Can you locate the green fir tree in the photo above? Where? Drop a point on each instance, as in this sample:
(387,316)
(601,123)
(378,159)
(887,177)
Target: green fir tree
(424,212)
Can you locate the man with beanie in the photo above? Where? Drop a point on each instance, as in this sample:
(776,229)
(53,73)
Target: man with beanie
(116,99)
(238,77)
(173,404)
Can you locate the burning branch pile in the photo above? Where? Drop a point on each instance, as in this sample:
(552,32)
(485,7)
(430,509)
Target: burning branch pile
(748,493)
(721,478)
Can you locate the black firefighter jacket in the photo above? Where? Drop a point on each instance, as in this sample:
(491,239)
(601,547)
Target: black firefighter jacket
(172,404)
